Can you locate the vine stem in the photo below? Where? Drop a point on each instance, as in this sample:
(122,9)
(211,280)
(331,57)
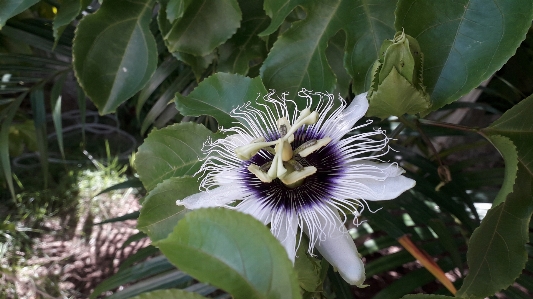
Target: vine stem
(428,142)
(448,125)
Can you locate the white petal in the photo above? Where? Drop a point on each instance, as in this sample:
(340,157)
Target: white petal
(255,209)
(347,119)
(284,227)
(339,250)
(382,170)
(389,188)
(217,197)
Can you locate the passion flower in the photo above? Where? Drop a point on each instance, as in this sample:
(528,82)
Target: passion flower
(295,169)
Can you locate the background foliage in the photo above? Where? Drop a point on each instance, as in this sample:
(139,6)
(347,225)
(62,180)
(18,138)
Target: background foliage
(172,70)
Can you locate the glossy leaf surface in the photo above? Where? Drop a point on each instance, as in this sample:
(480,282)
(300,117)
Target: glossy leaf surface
(298,58)
(11,8)
(68,11)
(204,25)
(497,252)
(244,46)
(464,42)
(232,251)
(171,152)
(159,213)
(114,52)
(218,95)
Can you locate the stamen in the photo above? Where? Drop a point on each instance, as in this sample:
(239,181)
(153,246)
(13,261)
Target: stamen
(283,126)
(246,152)
(320,143)
(296,165)
(266,166)
(259,173)
(305,145)
(283,130)
(296,178)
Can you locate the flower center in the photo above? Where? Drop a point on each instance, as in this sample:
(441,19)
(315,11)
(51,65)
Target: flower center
(286,165)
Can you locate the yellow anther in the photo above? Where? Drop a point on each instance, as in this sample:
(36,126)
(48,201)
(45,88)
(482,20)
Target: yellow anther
(296,178)
(320,143)
(260,174)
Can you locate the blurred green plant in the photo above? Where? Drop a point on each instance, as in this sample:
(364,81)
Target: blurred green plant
(160,62)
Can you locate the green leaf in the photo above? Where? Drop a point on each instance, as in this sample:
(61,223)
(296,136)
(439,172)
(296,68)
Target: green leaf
(232,251)
(6,119)
(163,71)
(497,253)
(198,64)
(132,215)
(166,99)
(339,286)
(170,279)
(176,8)
(218,95)
(11,8)
(298,58)
(205,24)
(66,13)
(159,213)
(169,294)
(510,156)
(141,255)
(335,56)
(131,183)
(516,125)
(307,268)
(464,42)
(145,269)
(171,152)
(114,52)
(245,46)
(39,120)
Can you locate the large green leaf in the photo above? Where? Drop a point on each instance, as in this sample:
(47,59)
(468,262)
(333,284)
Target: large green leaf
(464,42)
(159,213)
(232,251)
(245,46)
(218,95)
(497,253)
(171,152)
(298,58)
(516,125)
(11,8)
(169,294)
(114,52)
(66,13)
(203,26)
